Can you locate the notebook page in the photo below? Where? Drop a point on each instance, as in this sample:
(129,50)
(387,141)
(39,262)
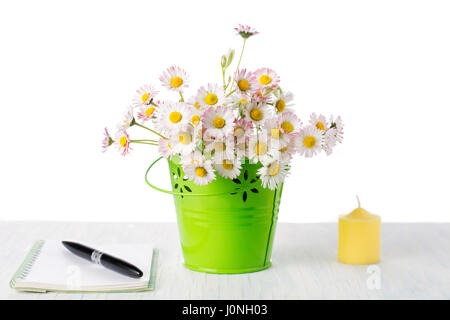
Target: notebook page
(56,265)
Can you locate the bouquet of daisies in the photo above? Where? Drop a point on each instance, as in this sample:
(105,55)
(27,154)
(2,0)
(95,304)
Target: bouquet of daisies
(248,118)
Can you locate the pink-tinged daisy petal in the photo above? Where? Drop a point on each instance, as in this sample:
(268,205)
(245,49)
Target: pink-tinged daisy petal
(288,152)
(245,31)
(339,126)
(107,141)
(165,149)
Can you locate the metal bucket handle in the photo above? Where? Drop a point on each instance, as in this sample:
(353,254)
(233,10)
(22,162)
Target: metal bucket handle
(185,194)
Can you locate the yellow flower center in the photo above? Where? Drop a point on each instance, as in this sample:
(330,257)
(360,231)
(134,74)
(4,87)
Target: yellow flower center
(123,141)
(145,97)
(176,82)
(274,169)
(287,126)
(243,101)
(320,125)
(276,133)
(219,122)
(195,120)
(197,105)
(280,105)
(149,111)
(256,114)
(227,164)
(265,79)
(261,148)
(175,117)
(309,142)
(170,147)
(199,171)
(283,149)
(243,85)
(211,99)
(219,146)
(185,138)
(238,132)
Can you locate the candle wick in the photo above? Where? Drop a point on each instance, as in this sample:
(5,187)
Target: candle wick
(359,203)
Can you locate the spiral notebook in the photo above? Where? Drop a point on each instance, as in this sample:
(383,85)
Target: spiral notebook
(50,267)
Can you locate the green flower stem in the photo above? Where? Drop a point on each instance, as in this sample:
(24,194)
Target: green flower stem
(240,58)
(181,95)
(157,133)
(230,93)
(150,144)
(144,140)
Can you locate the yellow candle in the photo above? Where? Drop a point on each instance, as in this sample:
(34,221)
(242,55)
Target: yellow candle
(359,237)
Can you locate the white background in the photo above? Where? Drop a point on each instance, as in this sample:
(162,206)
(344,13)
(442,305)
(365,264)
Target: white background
(68,68)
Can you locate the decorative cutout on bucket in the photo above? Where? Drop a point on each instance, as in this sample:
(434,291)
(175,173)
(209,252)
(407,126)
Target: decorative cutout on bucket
(246,185)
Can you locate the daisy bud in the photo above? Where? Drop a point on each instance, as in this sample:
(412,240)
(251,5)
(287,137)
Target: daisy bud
(223,62)
(230,57)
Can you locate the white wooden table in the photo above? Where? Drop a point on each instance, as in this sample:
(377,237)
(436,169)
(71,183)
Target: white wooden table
(415,263)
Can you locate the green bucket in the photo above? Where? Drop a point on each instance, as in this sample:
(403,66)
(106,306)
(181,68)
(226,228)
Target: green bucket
(226,226)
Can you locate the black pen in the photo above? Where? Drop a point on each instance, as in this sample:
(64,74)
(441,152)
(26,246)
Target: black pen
(103,259)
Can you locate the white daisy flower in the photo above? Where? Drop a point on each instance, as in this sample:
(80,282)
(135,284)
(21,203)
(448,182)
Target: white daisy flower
(165,148)
(228,168)
(199,170)
(261,149)
(144,95)
(329,141)
(245,82)
(262,96)
(287,152)
(128,119)
(276,133)
(319,121)
(175,78)
(173,116)
(309,141)
(339,126)
(281,103)
(107,140)
(257,112)
(267,78)
(242,130)
(241,149)
(184,141)
(194,103)
(146,112)
(122,141)
(211,96)
(192,158)
(218,121)
(290,123)
(273,173)
(245,31)
(220,148)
